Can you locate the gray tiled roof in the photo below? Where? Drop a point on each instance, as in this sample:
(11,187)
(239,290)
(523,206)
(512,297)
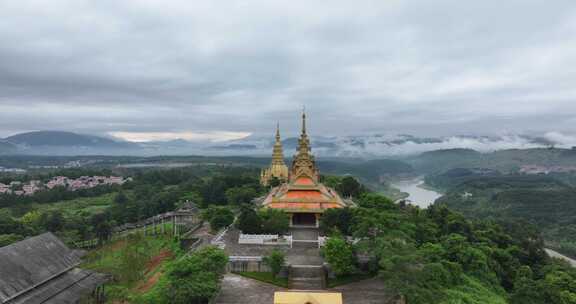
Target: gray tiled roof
(42,269)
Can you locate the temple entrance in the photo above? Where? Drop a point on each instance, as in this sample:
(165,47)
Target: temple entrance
(304,219)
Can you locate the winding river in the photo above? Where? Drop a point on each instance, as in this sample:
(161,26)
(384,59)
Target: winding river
(417,195)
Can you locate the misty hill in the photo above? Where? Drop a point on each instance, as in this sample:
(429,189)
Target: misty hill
(386,145)
(7,147)
(505,161)
(447,152)
(62,138)
(65,143)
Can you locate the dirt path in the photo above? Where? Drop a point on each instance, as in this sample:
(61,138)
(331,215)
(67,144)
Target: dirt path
(152,265)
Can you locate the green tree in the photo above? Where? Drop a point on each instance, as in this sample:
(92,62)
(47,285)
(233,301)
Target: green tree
(218,217)
(350,187)
(8,224)
(120,198)
(194,278)
(7,239)
(274,221)
(102,227)
(340,219)
(249,221)
(275,260)
(240,195)
(339,255)
(52,220)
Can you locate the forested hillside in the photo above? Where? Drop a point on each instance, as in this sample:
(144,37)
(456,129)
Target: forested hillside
(543,201)
(435,255)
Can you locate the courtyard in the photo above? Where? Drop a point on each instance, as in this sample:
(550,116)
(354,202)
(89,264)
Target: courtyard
(240,290)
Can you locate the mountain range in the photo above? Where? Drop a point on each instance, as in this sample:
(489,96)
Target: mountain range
(362,146)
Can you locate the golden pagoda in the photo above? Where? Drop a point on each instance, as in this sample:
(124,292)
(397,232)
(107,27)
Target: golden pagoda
(278,168)
(302,196)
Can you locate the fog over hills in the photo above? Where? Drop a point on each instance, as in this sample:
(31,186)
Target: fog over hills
(365,146)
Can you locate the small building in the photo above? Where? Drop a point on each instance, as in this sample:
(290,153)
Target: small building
(303,196)
(42,269)
(295,297)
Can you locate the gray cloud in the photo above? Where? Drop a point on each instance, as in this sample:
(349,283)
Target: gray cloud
(439,67)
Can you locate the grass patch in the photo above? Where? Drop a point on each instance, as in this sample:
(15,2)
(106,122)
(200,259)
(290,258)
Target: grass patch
(82,206)
(135,263)
(265,277)
(349,279)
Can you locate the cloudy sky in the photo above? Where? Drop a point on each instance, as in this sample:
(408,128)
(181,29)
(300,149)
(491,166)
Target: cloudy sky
(224,69)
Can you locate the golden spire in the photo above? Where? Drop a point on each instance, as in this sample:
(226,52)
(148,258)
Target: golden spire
(303,163)
(304,141)
(304,120)
(277,131)
(278,168)
(278,153)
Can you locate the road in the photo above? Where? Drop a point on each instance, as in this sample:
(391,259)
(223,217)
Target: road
(555,254)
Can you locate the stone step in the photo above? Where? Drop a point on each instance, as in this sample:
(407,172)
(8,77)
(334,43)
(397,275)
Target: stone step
(306,277)
(299,271)
(307,284)
(304,244)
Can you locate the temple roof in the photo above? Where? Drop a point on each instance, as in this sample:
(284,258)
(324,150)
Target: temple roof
(42,269)
(303,191)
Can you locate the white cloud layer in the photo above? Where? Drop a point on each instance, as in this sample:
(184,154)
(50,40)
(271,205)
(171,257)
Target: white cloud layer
(215,136)
(442,67)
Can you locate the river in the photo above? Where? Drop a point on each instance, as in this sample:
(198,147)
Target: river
(417,195)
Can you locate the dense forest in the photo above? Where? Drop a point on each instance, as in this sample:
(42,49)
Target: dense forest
(435,255)
(546,201)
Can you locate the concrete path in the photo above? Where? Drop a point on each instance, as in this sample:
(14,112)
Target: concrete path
(240,290)
(304,234)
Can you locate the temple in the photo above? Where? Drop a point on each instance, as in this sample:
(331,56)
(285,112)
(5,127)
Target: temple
(302,195)
(278,169)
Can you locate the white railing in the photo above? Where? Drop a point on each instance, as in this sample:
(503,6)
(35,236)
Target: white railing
(264,239)
(218,240)
(257,238)
(322,241)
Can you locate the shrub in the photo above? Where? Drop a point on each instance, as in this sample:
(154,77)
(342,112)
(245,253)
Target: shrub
(339,255)
(249,221)
(195,278)
(275,261)
(219,217)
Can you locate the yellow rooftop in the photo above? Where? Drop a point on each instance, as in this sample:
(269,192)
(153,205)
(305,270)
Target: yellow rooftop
(281,297)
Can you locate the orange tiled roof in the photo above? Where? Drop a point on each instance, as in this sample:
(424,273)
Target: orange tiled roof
(304,206)
(303,194)
(304,181)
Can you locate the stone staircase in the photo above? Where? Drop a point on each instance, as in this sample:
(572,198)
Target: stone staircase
(306,277)
(304,244)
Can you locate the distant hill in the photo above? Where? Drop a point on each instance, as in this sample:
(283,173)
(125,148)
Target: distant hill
(505,161)
(7,147)
(446,159)
(62,138)
(67,143)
